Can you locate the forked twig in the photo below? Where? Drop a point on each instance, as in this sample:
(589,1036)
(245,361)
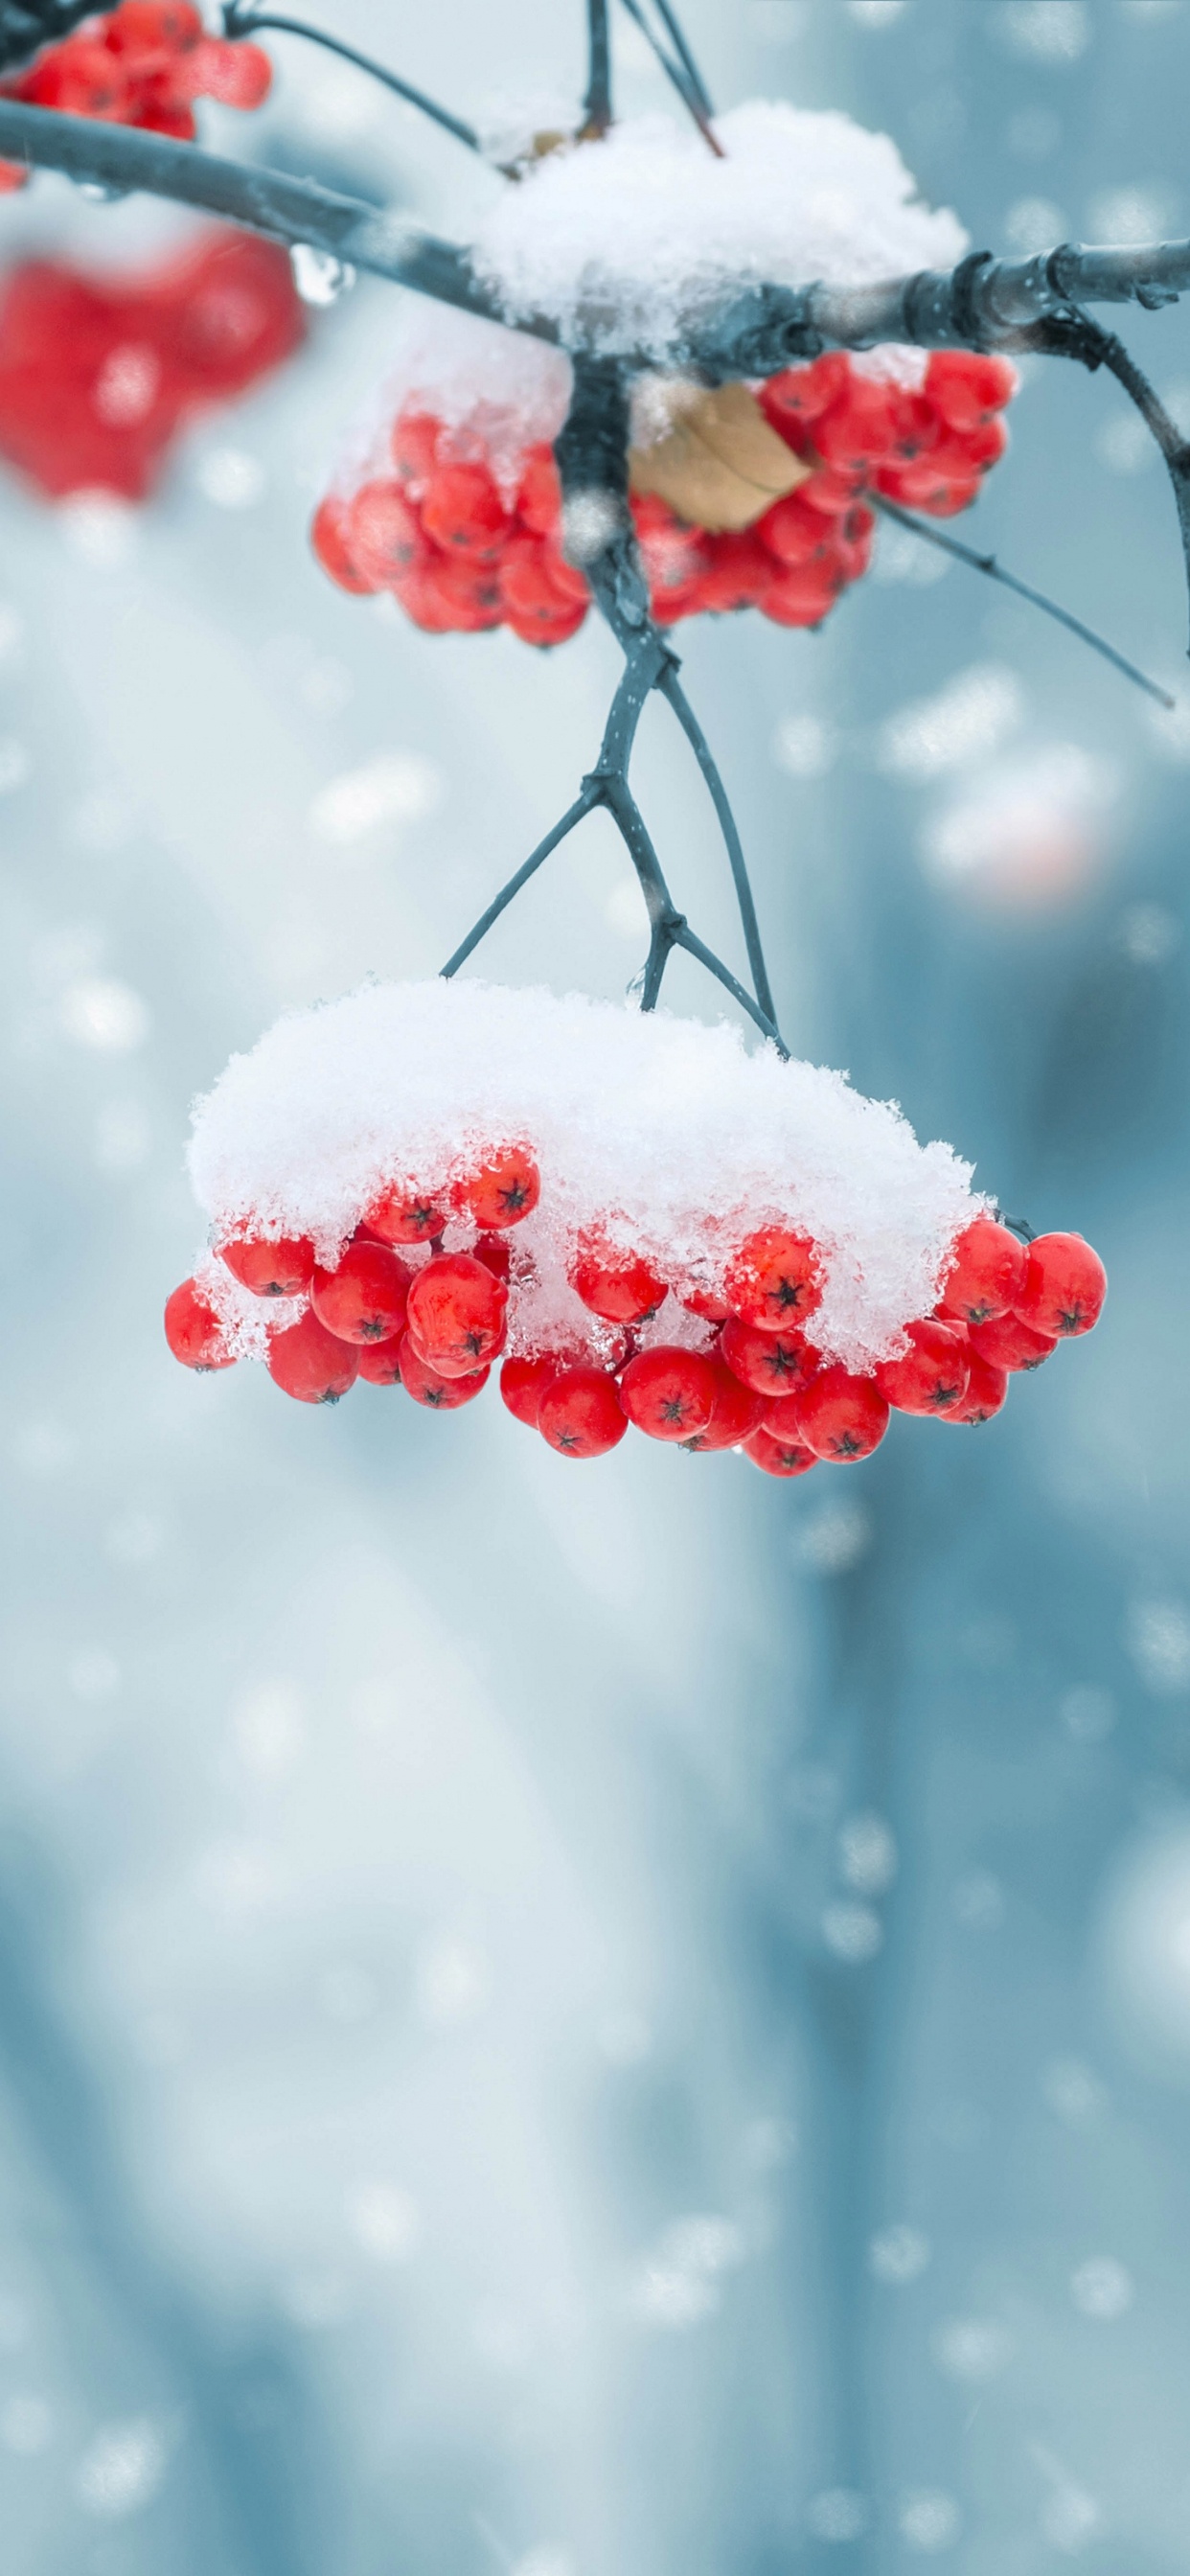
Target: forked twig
(691,92)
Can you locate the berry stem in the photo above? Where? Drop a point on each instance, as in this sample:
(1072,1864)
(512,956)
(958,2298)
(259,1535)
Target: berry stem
(1037,598)
(679,72)
(240,20)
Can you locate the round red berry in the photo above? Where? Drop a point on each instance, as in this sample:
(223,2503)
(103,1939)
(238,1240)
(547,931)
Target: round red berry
(737,1411)
(580,1413)
(506,1187)
(328,537)
(1007,1343)
(841,1417)
(308,1362)
(380,1362)
(618,1285)
(669,1393)
(1065,1285)
(193,1330)
(456,1314)
(773,1363)
(236,75)
(153,28)
(280,1268)
(523,1382)
(494,1252)
(773,1280)
(428,1386)
(933,1373)
(987,1272)
(365,1297)
(463,512)
(987,1388)
(403,1214)
(777,1456)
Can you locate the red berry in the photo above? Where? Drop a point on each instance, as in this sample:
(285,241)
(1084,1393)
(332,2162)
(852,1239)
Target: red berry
(381,534)
(794,533)
(463,511)
(153,30)
(833,489)
(580,1413)
(456,1314)
(779,1457)
(13,175)
(772,1363)
(670,1393)
(986,1391)
(704,1302)
(237,75)
(1065,1285)
(841,1417)
(803,393)
(270,1269)
(933,1374)
(987,1272)
(968,388)
(615,1284)
(737,576)
(427,1385)
(857,428)
(193,1330)
(772,1282)
(736,1412)
(80,79)
(414,446)
(1009,1344)
(404,1215)
(523,1383)
(328,537)
(365,1297)
(539,500)
(380,1362)
(308,1362)
(802,596)
(506,1187)
(494,1252)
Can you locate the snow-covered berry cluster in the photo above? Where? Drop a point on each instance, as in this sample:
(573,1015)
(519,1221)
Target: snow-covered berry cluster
(143,63)
(467,539)
(646,1225)
(97,376)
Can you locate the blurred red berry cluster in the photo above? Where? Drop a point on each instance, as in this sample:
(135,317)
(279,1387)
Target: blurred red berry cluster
(97,377)
(398,1310)
(143,64)
(441,531)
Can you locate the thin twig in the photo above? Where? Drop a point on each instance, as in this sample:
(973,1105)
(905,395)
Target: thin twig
(669,20)
(676,75)
(597,105)
(574,814)
(670,688)
(686,938)
(239,21)
(1024,590)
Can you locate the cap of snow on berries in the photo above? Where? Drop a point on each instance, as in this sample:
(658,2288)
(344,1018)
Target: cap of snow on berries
(645,1173)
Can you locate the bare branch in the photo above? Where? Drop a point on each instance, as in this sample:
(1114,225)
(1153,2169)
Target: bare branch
(241,20)
(597,105)
(675,72)
(995,571)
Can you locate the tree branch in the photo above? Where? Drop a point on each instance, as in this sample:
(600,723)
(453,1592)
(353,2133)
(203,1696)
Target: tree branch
(239,19)
(988,564)
(597,105)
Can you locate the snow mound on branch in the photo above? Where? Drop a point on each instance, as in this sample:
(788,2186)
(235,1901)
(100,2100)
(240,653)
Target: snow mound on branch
(665,1131)
(642,232)
(498,391)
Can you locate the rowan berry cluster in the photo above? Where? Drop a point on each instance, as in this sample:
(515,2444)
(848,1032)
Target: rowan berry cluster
(143,64)
(460,550)
(398,1310)
(97,378)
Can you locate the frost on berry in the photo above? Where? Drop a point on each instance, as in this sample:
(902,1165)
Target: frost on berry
(193,1329)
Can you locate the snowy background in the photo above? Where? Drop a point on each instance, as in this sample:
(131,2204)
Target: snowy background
(592,2023)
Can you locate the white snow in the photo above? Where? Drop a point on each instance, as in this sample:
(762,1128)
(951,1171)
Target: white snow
(632,235)
(498,391)
(666,1131)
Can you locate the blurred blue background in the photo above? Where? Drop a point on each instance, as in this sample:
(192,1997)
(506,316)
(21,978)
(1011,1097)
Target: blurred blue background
(590,2024)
